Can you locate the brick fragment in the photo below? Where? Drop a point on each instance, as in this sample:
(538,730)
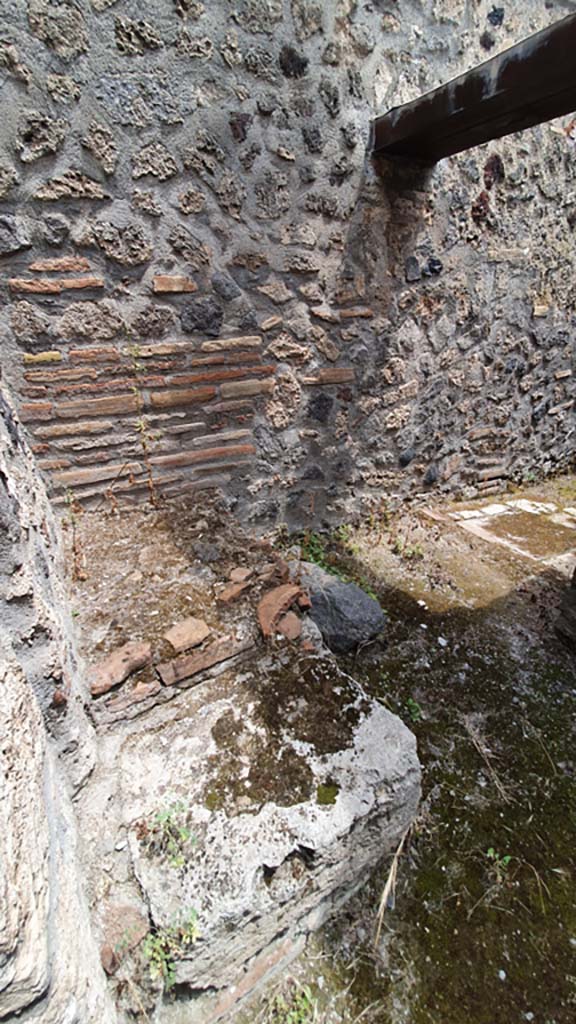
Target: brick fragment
(274,604)
(118,665)
(187,633)
(164,283)
(116,405)
(167,399)
(53,286)
(331,375)
(245,388)
(223,344)
(61,263)
(290,625)
(179,670)
(231,592)
(204,455)
(270,323)
(36,358)
(240,574)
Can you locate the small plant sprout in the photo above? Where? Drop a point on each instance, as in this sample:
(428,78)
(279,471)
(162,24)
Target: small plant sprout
(295,1007)
(499,864)
(164,946)
(166,834)
(413,709)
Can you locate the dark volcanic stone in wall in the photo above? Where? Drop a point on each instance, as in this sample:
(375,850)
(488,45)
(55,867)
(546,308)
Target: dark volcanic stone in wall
(292,62)
(204,316)
(13,235)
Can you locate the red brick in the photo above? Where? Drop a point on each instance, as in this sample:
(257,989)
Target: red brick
(232,406)
(187,633)
(218,360)
(224,344)
(220,375)
(179,669)
(164,283)
(54,285)
(76,477)
(50,376)
(110,385)
(243,357)
(166,399)
(242,388)
(331,375)
(204,455)
(290,626)
(231,592)
(274,604)
(61,263)
(114,405)
(118,665)
(54,463)
(162,348)
(36,392)
(31,411)
(94,355)
(40,449)
(358,312)
(82,427)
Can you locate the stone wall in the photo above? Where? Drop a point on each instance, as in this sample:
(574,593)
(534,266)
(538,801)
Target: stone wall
(209,283)
(49,964)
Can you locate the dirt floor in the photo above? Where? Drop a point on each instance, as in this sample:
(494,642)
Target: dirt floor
(481,923)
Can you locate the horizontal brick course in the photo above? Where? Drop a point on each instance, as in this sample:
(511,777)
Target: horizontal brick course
(164,283)
(38,358)
(30,411)
(204,455)
(359,312)
(156,381)
(53,285)
(224,344)
(242,388)
(116,405)
(94,355)
(78,427)
(53,376)
(77,477)
(162,348)
(331,375)
(61,263)
(166,399)
(221,375)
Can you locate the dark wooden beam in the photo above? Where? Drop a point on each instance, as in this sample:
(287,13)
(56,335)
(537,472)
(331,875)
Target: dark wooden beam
(532,82)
